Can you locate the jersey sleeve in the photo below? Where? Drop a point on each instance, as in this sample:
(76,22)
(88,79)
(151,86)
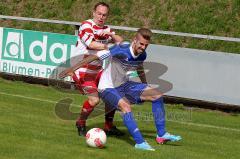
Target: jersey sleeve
(114,51)
(86,33)
(103,54)
(117,51)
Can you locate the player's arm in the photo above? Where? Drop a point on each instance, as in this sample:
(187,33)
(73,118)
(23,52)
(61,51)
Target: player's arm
(99,46)
(87,37)
(114,38)
(94,45)
(117,39)
(100,55)
(70,71)
(141,73)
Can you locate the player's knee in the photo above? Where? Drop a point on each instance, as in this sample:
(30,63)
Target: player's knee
(94,101)
(157,96)
(125,107)
(153,97)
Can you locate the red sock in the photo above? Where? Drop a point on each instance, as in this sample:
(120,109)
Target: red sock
(85,112)
(109,115)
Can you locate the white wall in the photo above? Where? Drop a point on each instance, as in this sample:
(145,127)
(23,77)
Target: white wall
(199,74)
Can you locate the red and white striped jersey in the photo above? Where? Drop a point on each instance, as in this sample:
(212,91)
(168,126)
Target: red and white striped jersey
(89,32)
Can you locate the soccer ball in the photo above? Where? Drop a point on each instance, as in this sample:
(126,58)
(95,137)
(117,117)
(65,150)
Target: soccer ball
(96,137)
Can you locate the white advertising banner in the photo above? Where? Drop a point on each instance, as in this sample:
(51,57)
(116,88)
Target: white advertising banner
(199,74)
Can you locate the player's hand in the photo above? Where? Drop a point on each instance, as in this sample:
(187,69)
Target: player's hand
(67,72)
(105,33)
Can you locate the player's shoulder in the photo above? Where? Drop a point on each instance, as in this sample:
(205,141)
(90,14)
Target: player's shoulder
(88,23)
(122,47)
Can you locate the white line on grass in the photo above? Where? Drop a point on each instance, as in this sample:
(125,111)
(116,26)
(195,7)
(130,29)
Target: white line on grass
(184,123)
(205,125)
(32,98)
(40,100)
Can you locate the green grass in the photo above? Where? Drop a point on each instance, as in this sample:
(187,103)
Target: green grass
(29,128)
(211,17)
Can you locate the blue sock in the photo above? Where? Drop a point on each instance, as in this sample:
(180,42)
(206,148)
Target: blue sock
(131,125)
(159,116)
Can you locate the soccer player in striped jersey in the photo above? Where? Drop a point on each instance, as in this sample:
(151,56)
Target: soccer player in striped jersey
(94,36)
(116,89)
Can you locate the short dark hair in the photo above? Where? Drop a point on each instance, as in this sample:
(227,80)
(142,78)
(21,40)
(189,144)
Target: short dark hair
(145,33)
(101,4)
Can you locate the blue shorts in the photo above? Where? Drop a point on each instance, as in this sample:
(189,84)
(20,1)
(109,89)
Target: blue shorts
(130,90)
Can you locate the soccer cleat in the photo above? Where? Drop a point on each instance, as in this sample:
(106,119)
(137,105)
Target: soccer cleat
(82,131)
(167,137)
(144,146)
(113,131)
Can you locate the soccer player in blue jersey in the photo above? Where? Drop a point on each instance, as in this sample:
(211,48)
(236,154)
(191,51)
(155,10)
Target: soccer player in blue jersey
(116,89)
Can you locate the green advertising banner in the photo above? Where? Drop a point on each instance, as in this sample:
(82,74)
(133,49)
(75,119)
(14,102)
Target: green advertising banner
(34,53)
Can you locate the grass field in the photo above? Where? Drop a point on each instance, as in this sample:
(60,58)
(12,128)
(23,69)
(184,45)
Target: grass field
(30,128)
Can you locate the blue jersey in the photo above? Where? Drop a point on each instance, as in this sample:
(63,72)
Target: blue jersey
(121,60)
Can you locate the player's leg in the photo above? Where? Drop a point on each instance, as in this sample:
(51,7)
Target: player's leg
(87,108)
(158,110)
(109,115)
(113,97)
(153,95)
(80,123)
(89,88)
(132,127)
(109,128)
